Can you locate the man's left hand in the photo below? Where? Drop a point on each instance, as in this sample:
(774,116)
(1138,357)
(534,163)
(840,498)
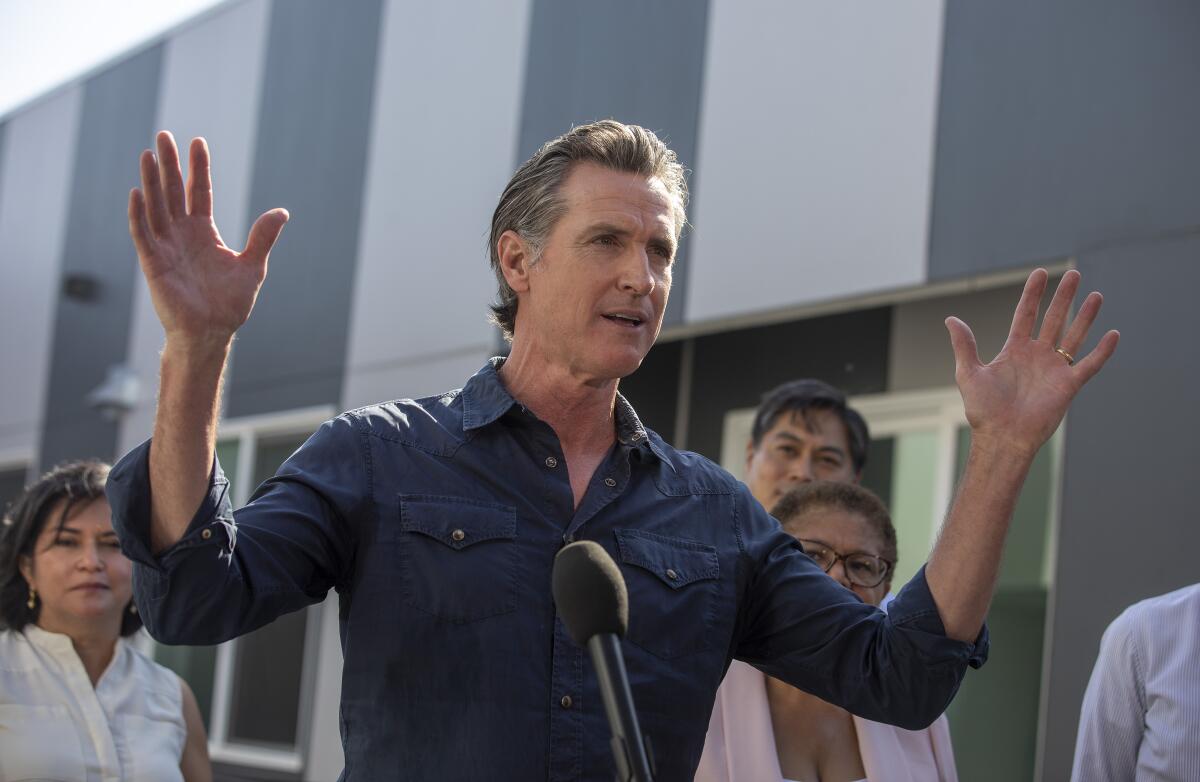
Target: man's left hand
(1019,399)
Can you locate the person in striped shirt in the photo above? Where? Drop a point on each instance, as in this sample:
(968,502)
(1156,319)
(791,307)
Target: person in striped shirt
(1140,719)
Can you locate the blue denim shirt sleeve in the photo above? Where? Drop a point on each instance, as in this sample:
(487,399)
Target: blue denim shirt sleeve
(801,626)
(232,573)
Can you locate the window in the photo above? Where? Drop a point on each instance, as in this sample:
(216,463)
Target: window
(255,691)
(918,450)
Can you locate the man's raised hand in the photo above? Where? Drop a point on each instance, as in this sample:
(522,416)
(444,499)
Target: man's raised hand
(1020,398)
(202,290)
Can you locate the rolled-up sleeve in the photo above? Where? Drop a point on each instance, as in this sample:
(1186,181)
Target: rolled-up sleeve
(232,572)
(801,626)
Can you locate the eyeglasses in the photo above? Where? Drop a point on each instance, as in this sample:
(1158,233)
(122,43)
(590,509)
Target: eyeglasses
(864,570)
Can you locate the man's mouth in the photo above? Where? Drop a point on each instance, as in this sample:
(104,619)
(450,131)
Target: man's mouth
(627,321)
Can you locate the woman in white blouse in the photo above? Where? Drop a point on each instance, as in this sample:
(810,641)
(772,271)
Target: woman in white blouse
(765,730)
(77,701)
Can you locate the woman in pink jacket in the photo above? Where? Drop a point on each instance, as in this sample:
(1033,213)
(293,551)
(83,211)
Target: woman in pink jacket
(763,729)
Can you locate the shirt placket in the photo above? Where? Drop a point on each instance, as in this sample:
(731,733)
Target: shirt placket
(94,717)
(567,706)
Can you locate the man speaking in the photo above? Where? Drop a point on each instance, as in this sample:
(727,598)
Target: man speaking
(437,520)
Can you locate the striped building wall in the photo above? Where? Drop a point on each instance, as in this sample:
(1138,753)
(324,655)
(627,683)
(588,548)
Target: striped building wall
(850,162)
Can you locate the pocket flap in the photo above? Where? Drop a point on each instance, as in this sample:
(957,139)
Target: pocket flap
(675,562)
(456,521)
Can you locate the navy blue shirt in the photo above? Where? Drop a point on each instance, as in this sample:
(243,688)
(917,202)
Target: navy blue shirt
(437,522)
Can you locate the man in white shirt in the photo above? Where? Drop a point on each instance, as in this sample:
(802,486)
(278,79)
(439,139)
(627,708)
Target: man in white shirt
(1141,713)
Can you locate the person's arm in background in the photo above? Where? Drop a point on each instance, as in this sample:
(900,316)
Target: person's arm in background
(1114,710)
(1013,406)
(202,292)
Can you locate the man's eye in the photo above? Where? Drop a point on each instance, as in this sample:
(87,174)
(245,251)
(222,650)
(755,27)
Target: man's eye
(787,450)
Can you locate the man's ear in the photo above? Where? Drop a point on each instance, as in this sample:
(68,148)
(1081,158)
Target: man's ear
(515,256)
(749,453)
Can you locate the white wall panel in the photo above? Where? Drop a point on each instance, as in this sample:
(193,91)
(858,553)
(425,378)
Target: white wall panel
(815,158)
(39,158)
(443,139)
(212,73)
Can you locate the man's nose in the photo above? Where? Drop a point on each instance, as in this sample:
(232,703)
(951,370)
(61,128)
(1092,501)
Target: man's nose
(636,276)
(801,470)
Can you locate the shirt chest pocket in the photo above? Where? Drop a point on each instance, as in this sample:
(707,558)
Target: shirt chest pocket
(672,587)
(458,558)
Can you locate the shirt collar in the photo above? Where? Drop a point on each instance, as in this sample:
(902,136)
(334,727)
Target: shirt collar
(58,643)
(485,399)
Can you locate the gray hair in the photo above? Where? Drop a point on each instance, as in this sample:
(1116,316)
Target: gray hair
(531,203)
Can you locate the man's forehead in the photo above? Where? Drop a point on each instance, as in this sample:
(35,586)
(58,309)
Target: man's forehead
(809,423)
(594,192)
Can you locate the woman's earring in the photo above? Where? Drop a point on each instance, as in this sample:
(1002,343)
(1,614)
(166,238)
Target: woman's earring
(32,601)
(133,608)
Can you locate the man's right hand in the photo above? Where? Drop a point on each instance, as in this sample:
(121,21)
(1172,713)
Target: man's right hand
(202,290)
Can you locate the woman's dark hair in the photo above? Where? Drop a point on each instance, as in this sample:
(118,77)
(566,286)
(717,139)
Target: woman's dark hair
(76,485)
(848,497)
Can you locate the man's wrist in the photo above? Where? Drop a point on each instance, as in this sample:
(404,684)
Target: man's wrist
(197,351)
(1001,448)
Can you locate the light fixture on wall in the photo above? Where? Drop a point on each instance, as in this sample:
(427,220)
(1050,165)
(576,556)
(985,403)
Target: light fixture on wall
(118,394)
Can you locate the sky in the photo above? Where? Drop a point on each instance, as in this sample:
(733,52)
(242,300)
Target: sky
(46,43)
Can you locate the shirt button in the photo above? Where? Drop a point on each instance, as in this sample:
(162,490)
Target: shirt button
(457,535)
(566,701)
(671,574)
(609,482)
(551,462)
(205,533)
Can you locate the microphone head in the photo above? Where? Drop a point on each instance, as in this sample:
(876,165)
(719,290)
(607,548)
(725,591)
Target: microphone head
(589,591)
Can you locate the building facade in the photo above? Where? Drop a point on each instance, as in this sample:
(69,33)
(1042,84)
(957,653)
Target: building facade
(859,171)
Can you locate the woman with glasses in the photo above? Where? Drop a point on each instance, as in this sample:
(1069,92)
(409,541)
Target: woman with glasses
(77,701)
(765,729)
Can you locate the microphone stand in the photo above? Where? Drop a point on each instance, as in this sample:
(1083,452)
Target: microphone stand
(629,751)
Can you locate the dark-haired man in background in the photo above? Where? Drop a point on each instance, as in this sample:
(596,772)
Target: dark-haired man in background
(804,431)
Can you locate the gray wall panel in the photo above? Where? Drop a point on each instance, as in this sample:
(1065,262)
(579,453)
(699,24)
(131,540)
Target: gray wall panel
(638,62)
(310,158)
(1063,125)
(1128,526)
(116,124)
(35,185)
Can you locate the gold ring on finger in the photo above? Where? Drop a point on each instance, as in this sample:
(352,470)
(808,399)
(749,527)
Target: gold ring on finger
(1070,359)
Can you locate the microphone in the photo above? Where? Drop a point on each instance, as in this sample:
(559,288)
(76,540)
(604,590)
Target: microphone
(590,594)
